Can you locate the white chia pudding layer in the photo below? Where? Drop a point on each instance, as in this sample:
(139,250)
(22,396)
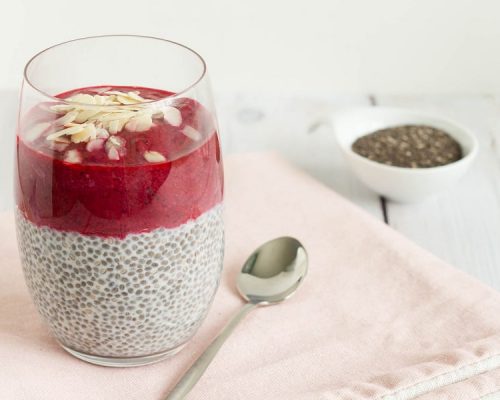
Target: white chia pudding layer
(137,296)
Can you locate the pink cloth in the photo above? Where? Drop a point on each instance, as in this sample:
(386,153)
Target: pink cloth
(376,318)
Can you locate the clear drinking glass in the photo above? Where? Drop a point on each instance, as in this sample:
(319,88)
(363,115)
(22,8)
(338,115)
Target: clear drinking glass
(119,190)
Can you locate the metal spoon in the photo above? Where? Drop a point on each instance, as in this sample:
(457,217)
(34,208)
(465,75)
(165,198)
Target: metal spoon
(270,275)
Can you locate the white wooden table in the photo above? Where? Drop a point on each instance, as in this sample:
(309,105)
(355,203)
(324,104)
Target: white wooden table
(462,225)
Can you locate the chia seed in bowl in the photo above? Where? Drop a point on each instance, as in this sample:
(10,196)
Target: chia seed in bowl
(409,146)
(390,170)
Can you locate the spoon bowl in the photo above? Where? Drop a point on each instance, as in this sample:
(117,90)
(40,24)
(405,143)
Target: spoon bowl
(273,272)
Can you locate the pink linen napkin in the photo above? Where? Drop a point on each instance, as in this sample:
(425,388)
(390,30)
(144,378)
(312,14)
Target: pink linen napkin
(376,318)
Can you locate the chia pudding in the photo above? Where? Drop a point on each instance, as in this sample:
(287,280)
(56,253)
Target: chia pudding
(119,219)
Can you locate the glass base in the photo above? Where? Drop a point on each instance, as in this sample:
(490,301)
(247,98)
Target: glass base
(124,361)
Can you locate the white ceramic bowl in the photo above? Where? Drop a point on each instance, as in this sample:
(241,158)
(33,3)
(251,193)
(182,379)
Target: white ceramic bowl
(397,183)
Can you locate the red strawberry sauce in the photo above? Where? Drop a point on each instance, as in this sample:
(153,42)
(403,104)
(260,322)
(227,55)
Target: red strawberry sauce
(106,197)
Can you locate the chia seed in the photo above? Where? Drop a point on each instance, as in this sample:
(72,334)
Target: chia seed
(409,146)
(76,310)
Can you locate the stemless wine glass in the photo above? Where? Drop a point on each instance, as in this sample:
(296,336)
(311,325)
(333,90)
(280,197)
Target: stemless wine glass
(119,189)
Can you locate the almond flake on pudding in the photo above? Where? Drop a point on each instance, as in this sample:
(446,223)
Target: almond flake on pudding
(84,136)
(102,133)
(136,96)
(66,118)
(116,141)
(113,153)
(67,131)
(101,100)
(91,131)
(140,123)
(61,108)
(125,100)
(94,145)
(157,114)
(154,157)
(105,113)
(36,131)
(100,90)
(117,115)
(192,133)
(114,126)
(62,139)
(115,147)
(81,98)
(73,156)
(172,115)
(84,115)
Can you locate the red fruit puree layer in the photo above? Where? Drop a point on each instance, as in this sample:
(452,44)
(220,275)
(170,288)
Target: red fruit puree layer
(104,197)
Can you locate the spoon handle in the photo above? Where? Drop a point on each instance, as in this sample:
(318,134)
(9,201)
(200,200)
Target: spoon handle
(194,373)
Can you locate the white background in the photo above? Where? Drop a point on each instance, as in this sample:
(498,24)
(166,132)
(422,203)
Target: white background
(306,46)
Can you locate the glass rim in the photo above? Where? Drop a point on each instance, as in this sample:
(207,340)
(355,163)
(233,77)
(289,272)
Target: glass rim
(162,99)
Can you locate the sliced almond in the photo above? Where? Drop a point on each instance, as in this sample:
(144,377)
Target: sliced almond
(97,118)
(61,108)
(144,111)
(126,100)
(100,100)
(117,115)
(172,115)
(100,90)
(92,130)
(89,132)
(96,115)
(67,131)
(102,133)
(115,147)
(62,139)
(84,115)
(116,126)
(105,100)
(157,114)
(192,133)
(94,145)
(82,98)
(140,123)
(127,97)
(129,107)
(80,107)
(73,156)
(69,124)
(154,157)
(115,141)
(113,154)
(66,118)
(135,96)
(80,137)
